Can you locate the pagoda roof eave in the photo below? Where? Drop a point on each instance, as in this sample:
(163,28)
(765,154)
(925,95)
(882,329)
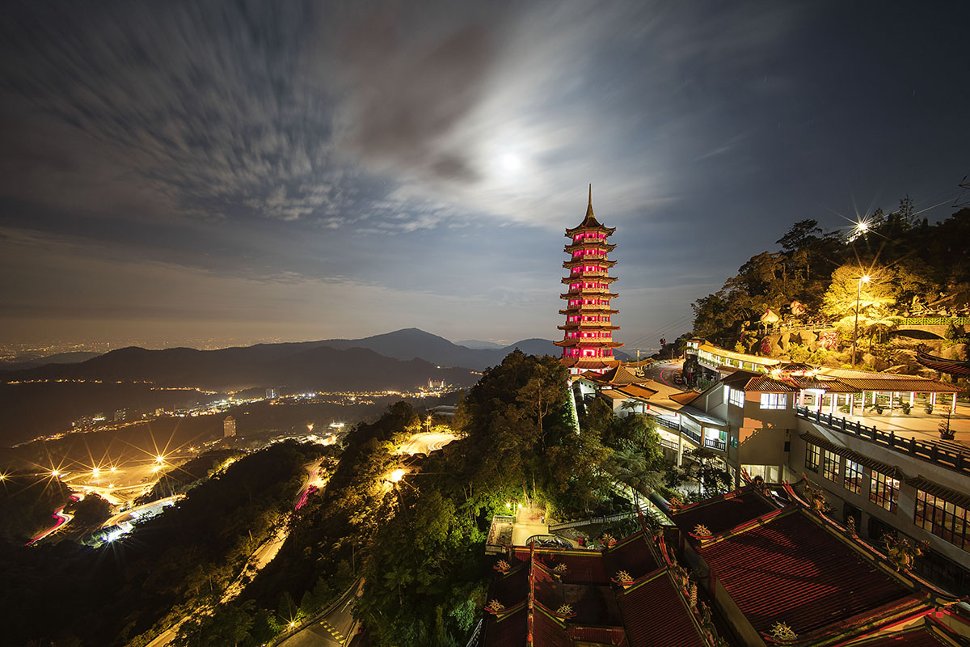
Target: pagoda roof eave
(602,310)
(606,247)
(588,291)
(583,261)
(590,343)
(572,279)
(590,226)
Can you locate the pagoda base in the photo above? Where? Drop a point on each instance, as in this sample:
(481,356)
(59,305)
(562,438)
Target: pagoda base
(580,365)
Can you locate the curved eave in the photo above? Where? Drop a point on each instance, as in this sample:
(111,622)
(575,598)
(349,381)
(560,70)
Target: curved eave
(590,277)
(606,247)
(589,259)
(590,310)
(584,227)
(589,291)
(569,343)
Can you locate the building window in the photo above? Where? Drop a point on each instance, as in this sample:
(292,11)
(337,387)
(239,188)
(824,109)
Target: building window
(813,456)
(830,465)
(883,489)
(774,401)
(853,476)
(943,518)
(735,396)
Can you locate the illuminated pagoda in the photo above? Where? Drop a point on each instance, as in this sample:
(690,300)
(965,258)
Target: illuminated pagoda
(588,343)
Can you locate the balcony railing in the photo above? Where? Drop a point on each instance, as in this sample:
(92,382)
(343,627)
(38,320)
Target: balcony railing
(715,443)
(932,452)
(673,425)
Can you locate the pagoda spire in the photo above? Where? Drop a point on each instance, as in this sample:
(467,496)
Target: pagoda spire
(587,343)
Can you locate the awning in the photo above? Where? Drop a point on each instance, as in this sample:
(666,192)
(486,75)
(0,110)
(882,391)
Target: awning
(862,459)
(959,498)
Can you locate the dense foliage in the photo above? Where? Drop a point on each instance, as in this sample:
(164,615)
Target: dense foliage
(425,575)
(915,268)
(26,502)
(171,564)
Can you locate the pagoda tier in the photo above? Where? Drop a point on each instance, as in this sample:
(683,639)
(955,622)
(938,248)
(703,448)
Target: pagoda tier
(589,292)
(588,331)
(579,262)
(589,246)
(600,275)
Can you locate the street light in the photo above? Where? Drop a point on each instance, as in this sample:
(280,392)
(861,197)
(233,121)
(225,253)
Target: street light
(858,298)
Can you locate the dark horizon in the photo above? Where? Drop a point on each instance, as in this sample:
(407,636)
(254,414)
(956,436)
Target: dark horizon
(246,172)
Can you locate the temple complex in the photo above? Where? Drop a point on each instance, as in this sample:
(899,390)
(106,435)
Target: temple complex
(762,565)
(587,343)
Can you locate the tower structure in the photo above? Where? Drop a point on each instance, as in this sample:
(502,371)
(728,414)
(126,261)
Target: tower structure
(587,343)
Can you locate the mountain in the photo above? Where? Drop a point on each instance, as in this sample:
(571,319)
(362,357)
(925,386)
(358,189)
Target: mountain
(297,365)
(478,344)
(410,343)
(58,358)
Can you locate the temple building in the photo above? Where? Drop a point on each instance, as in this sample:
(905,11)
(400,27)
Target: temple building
(587,343)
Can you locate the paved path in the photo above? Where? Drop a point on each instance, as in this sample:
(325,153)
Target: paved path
(335,627)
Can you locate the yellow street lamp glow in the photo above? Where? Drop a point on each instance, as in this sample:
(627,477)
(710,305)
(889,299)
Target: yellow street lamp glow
(865,278)
(113,469)
(862,226)
(95,472)
(159,459)
(55,473)
(396,475)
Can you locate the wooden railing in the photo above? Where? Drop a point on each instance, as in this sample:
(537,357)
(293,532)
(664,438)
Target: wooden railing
(932,452)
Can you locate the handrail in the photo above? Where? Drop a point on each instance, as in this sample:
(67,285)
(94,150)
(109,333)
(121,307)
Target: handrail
(929,451)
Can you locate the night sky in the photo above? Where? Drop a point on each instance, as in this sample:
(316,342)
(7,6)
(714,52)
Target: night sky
(172,172)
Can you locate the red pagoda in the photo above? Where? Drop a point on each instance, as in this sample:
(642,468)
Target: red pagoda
(588,342)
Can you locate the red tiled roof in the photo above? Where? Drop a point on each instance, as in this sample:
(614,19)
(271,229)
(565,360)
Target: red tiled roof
(632,555)
(765,384)
(921,637)
(739,378)
(581,567)
(724,512)
(548,632)
(792,570)
(509,631)
(600,635)
(899,383)
(511,588)
(655,615)
(637,391)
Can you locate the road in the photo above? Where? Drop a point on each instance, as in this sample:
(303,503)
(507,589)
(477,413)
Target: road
(335,627)
(426,442)
(664,372)
(137,510)
(61,520)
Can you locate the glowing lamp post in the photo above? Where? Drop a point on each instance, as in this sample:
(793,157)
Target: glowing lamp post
(858,299)
(396,476)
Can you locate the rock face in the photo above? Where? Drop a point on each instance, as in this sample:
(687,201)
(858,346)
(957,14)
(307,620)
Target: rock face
(779,344)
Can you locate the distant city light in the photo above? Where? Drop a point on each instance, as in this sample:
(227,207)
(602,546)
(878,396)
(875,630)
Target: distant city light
(113,469)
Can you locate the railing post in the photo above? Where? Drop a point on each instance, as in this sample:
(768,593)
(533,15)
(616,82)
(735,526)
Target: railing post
(934,453)
(912,444)
(843,424)
(892,438)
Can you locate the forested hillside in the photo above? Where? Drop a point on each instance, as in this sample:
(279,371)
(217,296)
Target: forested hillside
(891,265)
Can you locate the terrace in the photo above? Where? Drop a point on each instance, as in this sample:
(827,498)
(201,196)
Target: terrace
(916,435)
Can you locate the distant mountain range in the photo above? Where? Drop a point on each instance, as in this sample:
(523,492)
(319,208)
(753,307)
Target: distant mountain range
(401,359)
(42,360)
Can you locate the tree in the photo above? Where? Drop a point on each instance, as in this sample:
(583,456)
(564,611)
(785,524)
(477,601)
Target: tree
(848,289)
